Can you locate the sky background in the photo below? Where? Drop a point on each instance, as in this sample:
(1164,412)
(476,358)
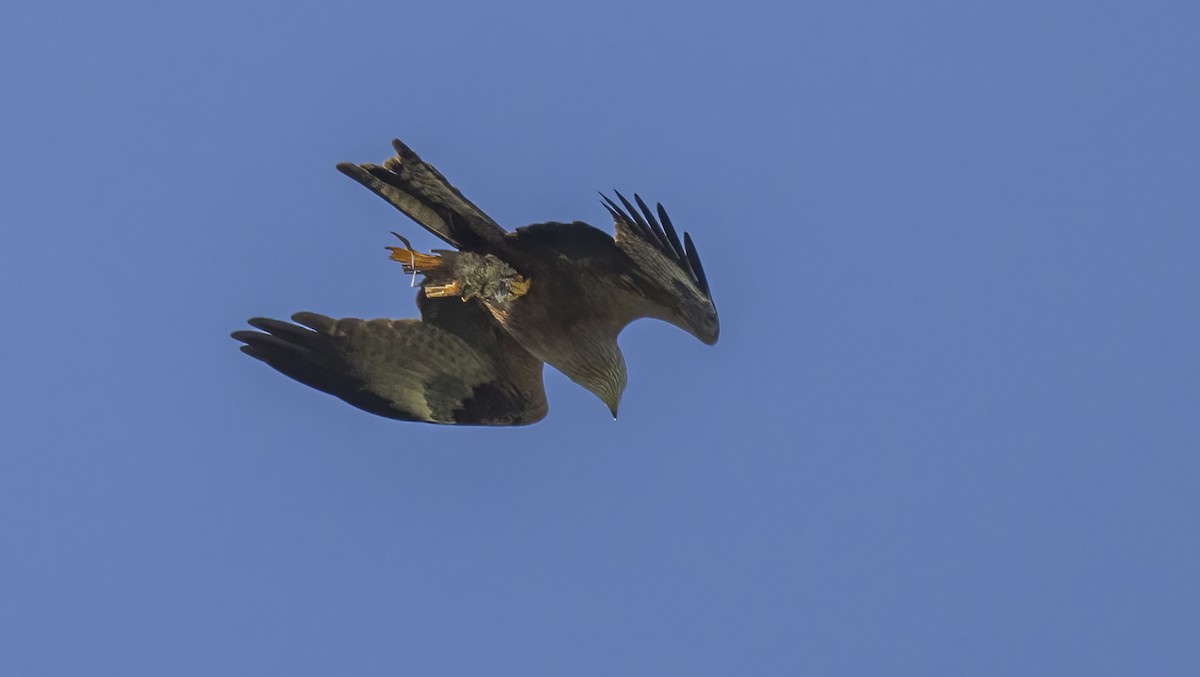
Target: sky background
(951,426)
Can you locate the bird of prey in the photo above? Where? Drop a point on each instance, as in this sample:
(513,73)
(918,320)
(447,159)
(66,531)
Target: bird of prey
(494,308)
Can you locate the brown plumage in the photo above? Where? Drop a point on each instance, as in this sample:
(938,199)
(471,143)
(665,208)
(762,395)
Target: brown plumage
(494,310)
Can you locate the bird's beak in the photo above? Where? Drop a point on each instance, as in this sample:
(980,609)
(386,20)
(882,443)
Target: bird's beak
(612,404)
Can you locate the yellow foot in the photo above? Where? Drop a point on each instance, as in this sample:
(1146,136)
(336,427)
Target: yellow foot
(518,287)
(412,260)
(437,291)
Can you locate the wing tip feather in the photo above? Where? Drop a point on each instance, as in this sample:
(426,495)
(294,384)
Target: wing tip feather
(693,257)
(663,237)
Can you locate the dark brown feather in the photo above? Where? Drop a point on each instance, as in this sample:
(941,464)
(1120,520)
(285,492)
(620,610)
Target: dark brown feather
(457,367)
(414,187)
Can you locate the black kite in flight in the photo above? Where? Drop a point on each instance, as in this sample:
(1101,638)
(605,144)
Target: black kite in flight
(494,310)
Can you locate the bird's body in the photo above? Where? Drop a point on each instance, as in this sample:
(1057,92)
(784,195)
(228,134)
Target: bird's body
(495,309)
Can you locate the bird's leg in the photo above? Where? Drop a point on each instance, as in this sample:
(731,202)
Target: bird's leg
(437,291)
(413,261)
(466,275)
(518,287)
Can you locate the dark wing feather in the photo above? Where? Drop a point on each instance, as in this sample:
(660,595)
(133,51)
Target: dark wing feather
(671,236)
(642,225)
(694,261)
(456,367)
(671,276)
(601,281)
(414,187)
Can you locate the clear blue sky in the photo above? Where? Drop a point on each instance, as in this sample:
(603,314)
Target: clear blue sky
(951,427)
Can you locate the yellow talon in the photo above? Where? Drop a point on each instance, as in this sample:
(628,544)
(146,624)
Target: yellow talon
(518,287)
(411,259)
(438,291)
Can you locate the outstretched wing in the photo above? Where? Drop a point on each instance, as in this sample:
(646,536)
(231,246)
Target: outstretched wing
(421,192)
(669,273)
(455,367)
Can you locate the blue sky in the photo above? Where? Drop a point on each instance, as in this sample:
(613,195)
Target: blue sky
(950,427)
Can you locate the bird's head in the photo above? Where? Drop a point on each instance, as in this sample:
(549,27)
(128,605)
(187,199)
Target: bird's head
(610,393)
(608,386)
(600,368)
